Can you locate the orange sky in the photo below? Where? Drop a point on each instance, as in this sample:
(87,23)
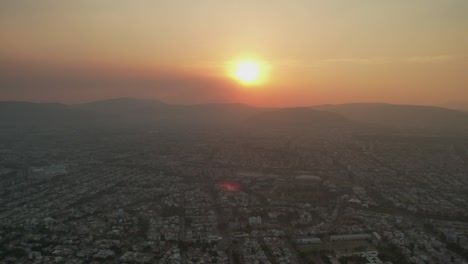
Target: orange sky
(178,51)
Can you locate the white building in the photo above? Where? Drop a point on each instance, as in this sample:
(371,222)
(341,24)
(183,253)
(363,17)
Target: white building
(255,220)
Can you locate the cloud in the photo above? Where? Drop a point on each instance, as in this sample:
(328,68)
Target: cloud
(36,82)
(383,60)
(365,61)
(435,59)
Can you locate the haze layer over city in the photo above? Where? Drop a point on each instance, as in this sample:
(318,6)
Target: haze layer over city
(258,131)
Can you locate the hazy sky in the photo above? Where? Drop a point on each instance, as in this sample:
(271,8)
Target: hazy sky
(317,51)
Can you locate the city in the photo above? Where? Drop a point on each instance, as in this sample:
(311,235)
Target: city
(233,132)
(158,197)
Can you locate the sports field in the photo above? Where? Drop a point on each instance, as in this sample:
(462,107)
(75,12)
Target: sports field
(313,252)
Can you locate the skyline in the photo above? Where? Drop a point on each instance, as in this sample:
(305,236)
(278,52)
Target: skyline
(178,51)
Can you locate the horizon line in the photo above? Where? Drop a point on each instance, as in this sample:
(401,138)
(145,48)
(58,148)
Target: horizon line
(443,105)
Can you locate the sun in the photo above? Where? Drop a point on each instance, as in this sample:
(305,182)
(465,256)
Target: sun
(247,72)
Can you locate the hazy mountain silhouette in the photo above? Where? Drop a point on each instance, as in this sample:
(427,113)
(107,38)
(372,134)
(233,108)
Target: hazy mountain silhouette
(296,118)
(122,106)
(42,115)
(133,113)
(402,116)
(127,111)
(463,106)
(130,110)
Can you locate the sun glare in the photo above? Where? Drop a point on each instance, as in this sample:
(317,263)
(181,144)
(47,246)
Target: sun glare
(247,72)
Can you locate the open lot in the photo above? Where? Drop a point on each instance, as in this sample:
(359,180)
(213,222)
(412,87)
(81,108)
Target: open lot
(313,252)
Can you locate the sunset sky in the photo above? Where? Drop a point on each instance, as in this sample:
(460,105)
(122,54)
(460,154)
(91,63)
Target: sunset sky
(311,51)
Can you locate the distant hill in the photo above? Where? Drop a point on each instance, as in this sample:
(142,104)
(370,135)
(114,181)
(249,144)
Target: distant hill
(402,116)
(218,113)
(41,115)
(129,113)
(122,113)
(214,115)
(463,106)
(122,106)
(297,119)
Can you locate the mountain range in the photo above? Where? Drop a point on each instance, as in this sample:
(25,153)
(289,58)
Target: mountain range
(459,105)
(154,113)
(402,116)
